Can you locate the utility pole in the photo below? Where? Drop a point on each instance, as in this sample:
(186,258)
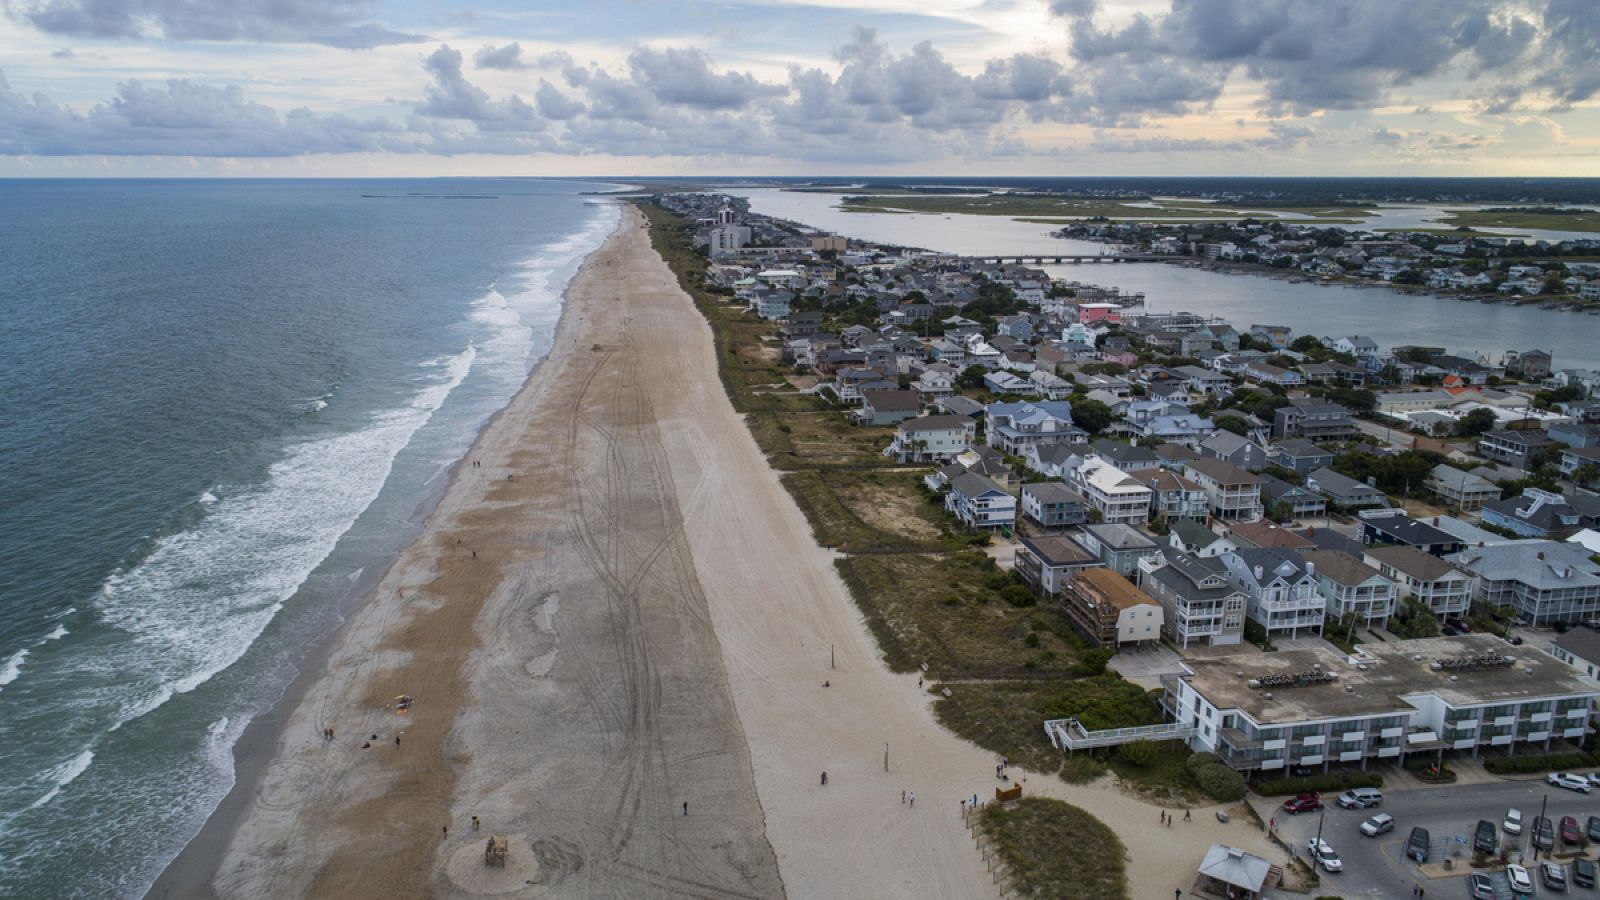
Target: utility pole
(886,756)
(1322,816)
(1543,805)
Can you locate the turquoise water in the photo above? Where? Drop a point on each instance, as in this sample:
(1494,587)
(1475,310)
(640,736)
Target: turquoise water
(221,403)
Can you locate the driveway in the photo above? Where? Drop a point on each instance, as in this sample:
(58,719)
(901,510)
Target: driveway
(1376,867)
(1144,666)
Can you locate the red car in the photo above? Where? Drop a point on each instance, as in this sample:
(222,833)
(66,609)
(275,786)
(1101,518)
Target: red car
(1302,803)
(1570,832)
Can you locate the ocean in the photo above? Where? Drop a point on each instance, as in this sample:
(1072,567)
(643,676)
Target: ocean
(225,407)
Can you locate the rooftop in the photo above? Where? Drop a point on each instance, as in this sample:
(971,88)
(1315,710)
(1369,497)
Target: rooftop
(1340,566)
(1116,590)
(1411,561)
(1222,472)
(1400,669)
(1120,537)
(1059,551)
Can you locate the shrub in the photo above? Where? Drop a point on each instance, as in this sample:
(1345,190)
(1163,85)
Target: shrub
(1138,753)
(1017,595)
(1219,782)
(1318,784)
(1549,762)
(1197,761)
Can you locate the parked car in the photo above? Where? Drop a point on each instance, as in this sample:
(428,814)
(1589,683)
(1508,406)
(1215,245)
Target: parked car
(1322,854)
(1382,823)
(1592,624)
(1513,822)
(1569,781)
(1544,833)
(1521,882)
(1570,833)
(1361,798)
(1592,828)
(1594,778)
(1583,872)
(1482,887)
(1484,839)
(1302,803)
(1418,844)
(1554,876)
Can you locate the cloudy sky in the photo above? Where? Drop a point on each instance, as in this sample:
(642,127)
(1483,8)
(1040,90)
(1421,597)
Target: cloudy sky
(619,87)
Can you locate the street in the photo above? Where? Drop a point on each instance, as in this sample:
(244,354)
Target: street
(1376,867)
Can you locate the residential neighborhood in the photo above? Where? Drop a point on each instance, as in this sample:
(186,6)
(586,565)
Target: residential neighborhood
(1243,520)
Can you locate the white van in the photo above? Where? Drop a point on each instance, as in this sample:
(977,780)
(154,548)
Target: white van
(1361,798)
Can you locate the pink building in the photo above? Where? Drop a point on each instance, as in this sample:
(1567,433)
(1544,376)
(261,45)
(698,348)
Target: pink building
(1099,312)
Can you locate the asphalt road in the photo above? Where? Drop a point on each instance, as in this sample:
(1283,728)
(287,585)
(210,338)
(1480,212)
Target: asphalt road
(1376,867)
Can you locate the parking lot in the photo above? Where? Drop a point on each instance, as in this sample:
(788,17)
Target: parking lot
(1377,867)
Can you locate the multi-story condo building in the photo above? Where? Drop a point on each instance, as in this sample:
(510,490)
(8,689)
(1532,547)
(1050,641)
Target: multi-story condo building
(1282,588)
(1439,585)
(1117,496)
(1231,492)
(1351,586)
(1317,707)
(1543,581)
(1201,605)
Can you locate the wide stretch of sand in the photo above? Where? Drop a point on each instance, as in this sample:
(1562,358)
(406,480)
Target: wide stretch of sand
(616,610)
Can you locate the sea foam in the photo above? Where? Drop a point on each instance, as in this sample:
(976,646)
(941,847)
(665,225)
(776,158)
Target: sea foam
(195,604)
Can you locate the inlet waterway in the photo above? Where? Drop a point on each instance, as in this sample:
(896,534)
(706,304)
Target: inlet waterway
(1389,317)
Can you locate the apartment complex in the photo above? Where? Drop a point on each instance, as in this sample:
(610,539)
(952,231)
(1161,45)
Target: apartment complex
(1315,707)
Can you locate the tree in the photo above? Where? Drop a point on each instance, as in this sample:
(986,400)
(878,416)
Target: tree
(1235,424)
(971,377)
(1588,473)
(1305,343)
(1092,415)
(1475,423)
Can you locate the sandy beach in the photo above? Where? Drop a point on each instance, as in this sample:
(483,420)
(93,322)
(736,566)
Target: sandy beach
(617,610)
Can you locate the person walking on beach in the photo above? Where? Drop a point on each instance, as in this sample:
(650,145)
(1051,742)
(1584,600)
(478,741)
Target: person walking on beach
(1186,816)
(397,740)
(685,807)
(474,823)
(911,799)
(902,798)
(824,777)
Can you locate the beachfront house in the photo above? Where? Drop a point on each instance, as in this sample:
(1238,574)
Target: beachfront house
(980,503)
(932,438)
(1109,610)
(1047,564)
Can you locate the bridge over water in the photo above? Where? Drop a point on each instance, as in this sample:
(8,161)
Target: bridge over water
(1039,259)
